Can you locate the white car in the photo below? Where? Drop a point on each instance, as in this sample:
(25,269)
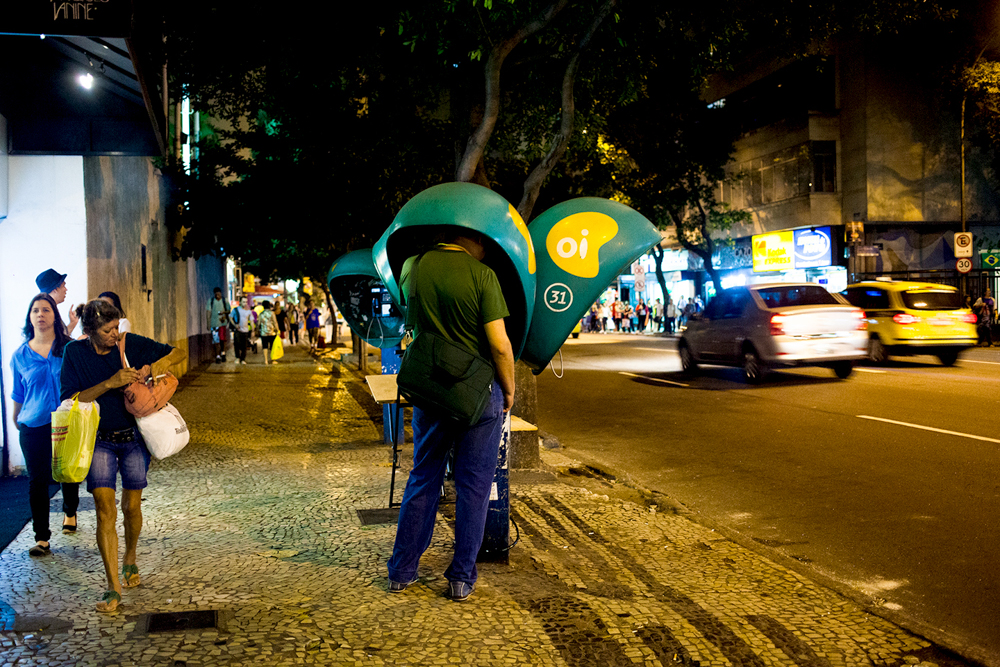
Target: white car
(759,327)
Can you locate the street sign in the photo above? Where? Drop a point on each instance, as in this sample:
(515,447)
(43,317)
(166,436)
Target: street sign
(963,264)
(963,244)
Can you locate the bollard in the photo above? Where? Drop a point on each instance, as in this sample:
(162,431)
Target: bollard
(392,358)
(497,534)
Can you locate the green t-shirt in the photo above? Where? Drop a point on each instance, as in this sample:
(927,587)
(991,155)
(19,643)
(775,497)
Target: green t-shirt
(457,296)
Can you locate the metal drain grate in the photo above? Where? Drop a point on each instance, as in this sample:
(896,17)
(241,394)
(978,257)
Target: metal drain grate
(178,621)
(377,516)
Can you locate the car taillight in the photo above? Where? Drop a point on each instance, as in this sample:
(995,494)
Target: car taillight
(862,320)
(905,318)
(777,325)
(969,318)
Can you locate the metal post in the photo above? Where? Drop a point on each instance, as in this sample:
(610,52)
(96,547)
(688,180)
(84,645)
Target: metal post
(496,539)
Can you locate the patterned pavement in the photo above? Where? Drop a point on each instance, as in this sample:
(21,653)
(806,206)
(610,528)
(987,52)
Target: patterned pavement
(252,542)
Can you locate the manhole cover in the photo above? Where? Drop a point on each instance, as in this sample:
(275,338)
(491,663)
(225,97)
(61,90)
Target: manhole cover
(377,516)
(182,620)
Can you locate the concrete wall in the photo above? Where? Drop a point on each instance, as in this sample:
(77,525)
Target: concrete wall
(46,227)
(126,202)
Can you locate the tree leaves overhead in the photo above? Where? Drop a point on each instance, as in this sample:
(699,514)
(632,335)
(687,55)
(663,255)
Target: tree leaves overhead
(318,125)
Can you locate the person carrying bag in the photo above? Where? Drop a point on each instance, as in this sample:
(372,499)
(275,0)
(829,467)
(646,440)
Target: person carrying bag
(440,375)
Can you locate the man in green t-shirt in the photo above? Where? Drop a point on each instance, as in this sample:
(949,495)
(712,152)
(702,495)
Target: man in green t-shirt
(459,299)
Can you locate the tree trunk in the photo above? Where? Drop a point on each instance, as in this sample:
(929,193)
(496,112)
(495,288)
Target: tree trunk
(476,145)
(658,254)
(533,184)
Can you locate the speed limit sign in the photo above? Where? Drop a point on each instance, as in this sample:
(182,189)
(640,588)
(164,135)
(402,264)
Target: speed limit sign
(964,265)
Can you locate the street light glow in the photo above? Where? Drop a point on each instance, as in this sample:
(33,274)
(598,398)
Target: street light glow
(86,80)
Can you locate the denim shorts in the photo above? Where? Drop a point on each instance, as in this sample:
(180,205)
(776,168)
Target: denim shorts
(130,458)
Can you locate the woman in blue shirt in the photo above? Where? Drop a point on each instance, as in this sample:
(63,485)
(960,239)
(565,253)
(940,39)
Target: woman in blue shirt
(37,365)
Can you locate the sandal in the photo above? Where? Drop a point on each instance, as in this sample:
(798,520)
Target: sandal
(130,576)
(109,602)
(39,550)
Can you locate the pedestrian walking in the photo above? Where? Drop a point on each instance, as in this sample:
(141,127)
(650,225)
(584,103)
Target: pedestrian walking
(268,331)
(282,317)
(241,318)
(294,318)
(312,325)
(53,283)
(93,369)
(616,314)
(459,298)
(124,326)
(641,312)
(218,317)
(36,366)
(658,314)
(671,315)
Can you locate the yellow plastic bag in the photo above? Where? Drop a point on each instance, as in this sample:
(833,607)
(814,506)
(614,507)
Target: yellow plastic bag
(74,431)
(277,349)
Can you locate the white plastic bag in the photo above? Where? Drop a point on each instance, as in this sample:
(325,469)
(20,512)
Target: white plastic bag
(165,432)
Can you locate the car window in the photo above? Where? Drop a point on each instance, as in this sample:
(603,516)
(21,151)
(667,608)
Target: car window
(796,295)
(735,302)
(932,299)
(869,298)
(714,308)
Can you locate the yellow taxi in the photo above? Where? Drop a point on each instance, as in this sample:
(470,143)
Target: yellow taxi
(907,318)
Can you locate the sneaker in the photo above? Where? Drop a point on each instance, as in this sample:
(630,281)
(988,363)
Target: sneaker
(398,586)
(218,359)
(243,361)
(459,590)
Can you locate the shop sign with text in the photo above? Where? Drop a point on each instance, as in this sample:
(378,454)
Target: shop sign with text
(793,249)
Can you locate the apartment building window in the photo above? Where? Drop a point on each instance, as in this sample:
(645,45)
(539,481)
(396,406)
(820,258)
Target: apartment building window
(786,174)
(824,159)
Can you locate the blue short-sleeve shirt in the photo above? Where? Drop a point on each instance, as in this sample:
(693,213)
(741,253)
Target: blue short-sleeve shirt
(36,385)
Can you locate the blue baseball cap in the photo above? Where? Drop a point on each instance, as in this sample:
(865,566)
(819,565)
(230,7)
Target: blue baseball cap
(49,279)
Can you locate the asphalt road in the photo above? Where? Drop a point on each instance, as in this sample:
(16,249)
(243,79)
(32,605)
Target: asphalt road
(887,482)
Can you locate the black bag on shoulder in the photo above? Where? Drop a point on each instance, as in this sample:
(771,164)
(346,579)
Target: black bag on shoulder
(441,376)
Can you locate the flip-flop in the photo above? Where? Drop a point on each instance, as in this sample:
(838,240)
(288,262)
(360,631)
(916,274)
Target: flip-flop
(130,576)
(109,602)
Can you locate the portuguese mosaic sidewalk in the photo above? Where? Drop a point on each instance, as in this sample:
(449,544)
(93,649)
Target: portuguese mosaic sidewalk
(252,537)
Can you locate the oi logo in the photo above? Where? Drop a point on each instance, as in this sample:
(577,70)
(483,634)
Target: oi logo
(574,242)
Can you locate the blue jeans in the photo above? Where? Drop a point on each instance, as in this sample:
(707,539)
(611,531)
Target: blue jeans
(476,451)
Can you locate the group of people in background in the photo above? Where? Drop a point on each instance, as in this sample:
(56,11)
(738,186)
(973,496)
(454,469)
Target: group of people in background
(249,325)
(615,315)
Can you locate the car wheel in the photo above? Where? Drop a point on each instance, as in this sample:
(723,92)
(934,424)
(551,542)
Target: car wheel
(948,357)
(753,368)
(843,369)
(876,350)
(688,364)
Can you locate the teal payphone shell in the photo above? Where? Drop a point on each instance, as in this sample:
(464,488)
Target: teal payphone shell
(510,253)
(582,246)
(364,301)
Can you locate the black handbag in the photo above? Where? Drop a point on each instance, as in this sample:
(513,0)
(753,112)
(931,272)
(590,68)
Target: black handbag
(442,376)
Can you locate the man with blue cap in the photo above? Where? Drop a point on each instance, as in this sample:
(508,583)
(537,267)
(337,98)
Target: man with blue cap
(53,283)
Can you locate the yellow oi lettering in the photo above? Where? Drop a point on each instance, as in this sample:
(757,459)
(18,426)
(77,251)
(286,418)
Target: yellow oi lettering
(574,243)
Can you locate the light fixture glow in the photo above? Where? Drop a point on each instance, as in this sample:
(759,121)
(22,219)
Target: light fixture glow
(86,80)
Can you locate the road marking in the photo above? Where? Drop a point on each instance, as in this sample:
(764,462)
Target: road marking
(868,370)
(973,361)
(653,349)
(633,375)
(930,428)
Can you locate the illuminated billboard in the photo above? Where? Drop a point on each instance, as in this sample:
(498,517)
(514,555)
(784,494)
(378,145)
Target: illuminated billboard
(797,249)
(773,252)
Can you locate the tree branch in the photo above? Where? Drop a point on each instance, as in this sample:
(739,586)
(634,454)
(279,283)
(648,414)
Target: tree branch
(533,184)
(477,142)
